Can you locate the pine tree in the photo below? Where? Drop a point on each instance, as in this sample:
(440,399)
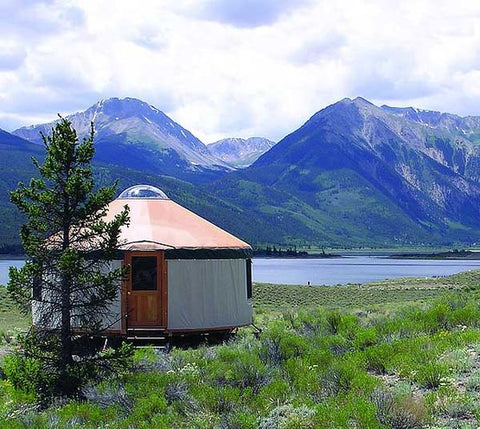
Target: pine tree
(69,248)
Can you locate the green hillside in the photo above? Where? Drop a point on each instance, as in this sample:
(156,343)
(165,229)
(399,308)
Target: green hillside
(359,175)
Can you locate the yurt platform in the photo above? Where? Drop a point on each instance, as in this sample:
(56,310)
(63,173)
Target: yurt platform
(147,336)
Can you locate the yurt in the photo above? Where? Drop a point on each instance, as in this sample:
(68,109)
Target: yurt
(186,274)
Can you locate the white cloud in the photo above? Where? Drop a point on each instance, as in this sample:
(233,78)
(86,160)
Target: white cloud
(234,68)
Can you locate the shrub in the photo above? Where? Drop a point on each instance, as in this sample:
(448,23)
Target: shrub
(277,390)
(277,342)
(473,382)
(288,417)
(363,384)
(458,406)
(75,414)
(410,412)
(399,413)
(150,360)
(377,358)
(311,321)
(365,338)
(238,419)
(291,318)
(437,317)
(43,377)
(176,391)
(292,346)
(336,344)
(431,374)
(354,412)
(467,314)
(142,384)
(29,375)
(348,326)
(301,376)
(157,421)
(112,395)
(112,361)
(333,321)
(250,373)
(410,354)
(457,360)
(240,367)
(270,352)
(402,388)
(361,413)
(147,406)
(220,400)
(338,378)
(26,413)
(177,394)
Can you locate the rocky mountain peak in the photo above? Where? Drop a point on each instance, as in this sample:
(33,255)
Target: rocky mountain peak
(126,107)
(240,152)
(135,134)
(115,115)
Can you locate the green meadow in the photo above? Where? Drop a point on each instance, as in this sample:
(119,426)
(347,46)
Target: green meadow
(392,354)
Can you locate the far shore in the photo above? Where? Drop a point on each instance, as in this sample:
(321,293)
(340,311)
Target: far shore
(451,254)
(293,254)
(4,256)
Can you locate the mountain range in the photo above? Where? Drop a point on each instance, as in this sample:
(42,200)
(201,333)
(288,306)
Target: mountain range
(240,152)
(134,134)
(354,174)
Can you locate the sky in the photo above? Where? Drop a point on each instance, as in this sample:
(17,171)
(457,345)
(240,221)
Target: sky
(236,68)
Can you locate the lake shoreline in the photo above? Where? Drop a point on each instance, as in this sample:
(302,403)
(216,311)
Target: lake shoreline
(450,255)
(299,256)
(352,270)
(7,257)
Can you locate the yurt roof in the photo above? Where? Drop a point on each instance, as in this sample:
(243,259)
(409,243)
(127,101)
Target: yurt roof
(158,223)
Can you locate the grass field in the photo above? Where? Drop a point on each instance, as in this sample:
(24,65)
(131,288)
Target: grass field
(392,354)
(11,319)
(269,296)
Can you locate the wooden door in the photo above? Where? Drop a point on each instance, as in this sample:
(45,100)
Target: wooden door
(144,289)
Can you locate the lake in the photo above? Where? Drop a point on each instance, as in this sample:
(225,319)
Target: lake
(4,264)
(332,271)
(352,269)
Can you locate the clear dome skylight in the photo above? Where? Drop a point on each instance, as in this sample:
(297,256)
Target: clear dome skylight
(143,191)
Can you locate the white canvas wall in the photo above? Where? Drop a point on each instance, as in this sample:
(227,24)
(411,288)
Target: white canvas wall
(111,319)
(207,294)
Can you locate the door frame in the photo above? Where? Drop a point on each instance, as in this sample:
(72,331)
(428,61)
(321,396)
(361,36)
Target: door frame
(162,289)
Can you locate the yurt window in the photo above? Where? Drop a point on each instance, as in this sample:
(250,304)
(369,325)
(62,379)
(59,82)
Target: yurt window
(249,278)
(37,287)
(143,192)
(144,273)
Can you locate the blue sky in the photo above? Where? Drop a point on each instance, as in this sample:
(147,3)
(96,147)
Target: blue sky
(236,68)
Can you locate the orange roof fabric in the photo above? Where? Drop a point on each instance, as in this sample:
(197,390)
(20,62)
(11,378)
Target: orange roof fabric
(159,224)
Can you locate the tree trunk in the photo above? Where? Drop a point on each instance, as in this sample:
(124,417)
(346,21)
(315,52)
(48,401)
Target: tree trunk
(66,351)
(65,336)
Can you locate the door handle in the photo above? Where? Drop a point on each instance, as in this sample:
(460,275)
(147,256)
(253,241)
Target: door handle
(129,293)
